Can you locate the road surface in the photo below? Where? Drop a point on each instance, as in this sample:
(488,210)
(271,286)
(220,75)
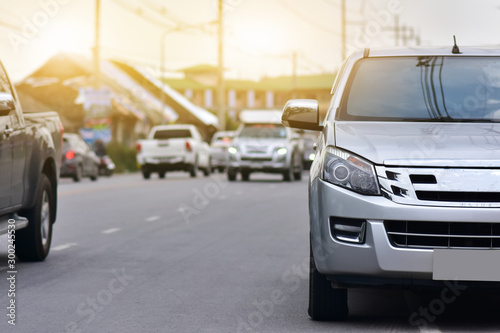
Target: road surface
(201,255)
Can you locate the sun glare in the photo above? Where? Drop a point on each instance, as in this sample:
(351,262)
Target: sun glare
(256,39)
(64,40)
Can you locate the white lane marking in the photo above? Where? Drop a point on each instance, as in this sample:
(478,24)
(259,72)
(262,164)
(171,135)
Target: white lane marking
(63,247)
(110,231)
(152,218)
(3,268)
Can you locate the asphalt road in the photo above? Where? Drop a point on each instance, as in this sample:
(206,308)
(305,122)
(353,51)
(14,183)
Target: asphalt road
(201,255)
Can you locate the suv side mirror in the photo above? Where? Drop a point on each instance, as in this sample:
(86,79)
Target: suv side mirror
(301,114)
(6,103)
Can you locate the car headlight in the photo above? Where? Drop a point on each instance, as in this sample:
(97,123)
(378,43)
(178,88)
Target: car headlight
(282,151)
(349,171)
(232,150)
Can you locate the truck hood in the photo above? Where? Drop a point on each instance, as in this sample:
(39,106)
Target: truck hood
(249,145)
(424,144)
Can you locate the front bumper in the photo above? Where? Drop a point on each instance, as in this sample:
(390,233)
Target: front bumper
(377,257)
(67,170)
(258,163)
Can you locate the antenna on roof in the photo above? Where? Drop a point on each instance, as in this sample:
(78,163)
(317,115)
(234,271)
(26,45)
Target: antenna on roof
(455,49)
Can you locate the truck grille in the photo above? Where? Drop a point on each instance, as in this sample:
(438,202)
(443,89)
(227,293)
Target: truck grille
(451,187)
(257,159)
(424,234)
(458,196)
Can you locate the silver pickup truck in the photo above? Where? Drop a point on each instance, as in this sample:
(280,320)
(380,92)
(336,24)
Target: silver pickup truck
(30,160)
(263,144)
(405,186)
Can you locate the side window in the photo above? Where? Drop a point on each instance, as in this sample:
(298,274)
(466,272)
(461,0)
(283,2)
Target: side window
(5,87)
(4,82)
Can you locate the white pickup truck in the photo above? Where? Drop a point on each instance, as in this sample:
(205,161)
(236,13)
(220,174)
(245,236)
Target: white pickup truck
(173,148)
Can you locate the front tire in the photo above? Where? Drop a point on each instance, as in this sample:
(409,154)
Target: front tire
(231,175)
(287,175)
(325,302)
(33,242)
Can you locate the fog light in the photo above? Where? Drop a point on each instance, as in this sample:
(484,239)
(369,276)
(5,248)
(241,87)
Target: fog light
(348,230)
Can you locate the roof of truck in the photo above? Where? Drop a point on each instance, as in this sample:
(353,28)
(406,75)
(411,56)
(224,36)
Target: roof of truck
(491,50)
(260,116)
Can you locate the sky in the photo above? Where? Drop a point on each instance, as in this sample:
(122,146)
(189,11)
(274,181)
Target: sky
(260,35)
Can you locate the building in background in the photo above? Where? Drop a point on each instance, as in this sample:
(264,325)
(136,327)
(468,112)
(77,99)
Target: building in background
(200,83)
(123,109)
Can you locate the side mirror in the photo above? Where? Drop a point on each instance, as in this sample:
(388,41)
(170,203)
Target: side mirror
(301,114)
(6,103)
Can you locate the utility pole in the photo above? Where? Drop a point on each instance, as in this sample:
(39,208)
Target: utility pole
(294,75)
(343,28)
(221,93)
(97,72)
(396,29)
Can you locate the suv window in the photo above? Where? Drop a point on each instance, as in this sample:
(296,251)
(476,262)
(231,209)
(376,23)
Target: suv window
(439,88)
(263,131)
(172,134)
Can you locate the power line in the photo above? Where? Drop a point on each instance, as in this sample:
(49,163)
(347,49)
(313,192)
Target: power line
(139,11)
(162,11)
(304,18)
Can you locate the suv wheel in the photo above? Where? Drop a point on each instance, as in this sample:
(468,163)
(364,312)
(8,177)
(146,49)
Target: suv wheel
(325,302)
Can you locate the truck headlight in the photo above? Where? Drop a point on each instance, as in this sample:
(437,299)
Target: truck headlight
(282,151)
(232,150)
(350,171)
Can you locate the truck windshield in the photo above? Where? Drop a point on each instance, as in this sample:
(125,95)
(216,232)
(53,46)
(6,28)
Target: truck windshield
(172,134)
(263,131)
(437,88)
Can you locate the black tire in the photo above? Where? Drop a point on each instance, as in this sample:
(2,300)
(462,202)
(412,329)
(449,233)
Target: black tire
(78,173)
(95,175)
(162,174)
(287,175)
(206,171)
(325,302)
(231,175)
(297,171)
(33,242)
(245,176)
(193,168)
(146,173)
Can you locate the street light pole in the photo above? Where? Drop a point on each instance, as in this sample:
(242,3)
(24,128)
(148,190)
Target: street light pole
(221,100)
(162,72)
(97,44)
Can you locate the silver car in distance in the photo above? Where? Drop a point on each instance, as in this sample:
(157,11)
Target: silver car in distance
(405,187)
